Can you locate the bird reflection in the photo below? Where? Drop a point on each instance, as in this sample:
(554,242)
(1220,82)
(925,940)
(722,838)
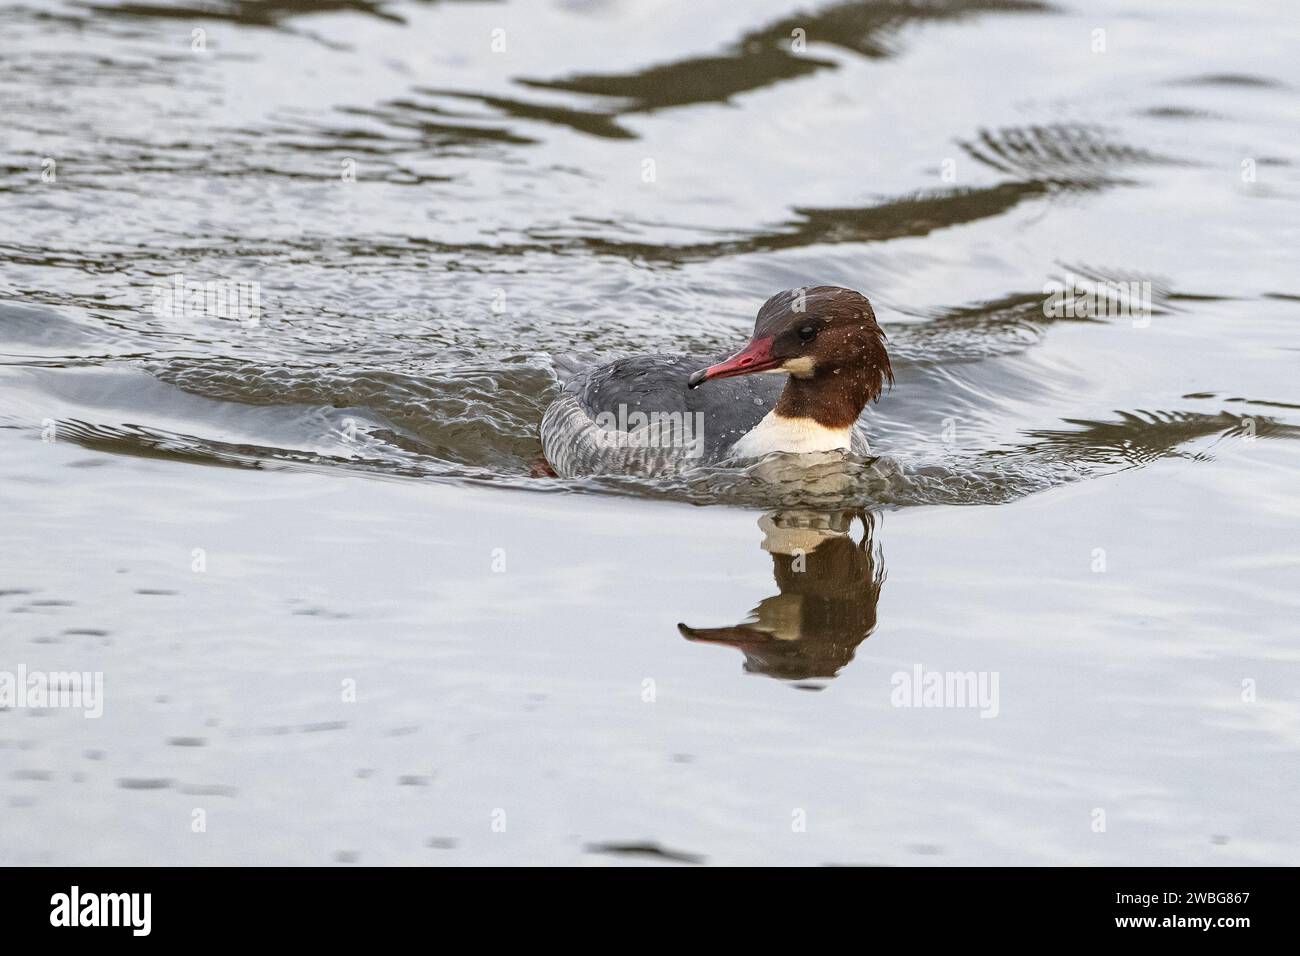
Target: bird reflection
(829,585)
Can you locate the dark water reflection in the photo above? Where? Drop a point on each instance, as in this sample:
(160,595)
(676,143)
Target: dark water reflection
(255,13)
(769,55)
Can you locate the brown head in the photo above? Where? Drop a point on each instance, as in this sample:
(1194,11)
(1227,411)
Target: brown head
(827,340)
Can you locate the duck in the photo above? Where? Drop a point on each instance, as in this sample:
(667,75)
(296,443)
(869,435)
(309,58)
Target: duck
(817,357)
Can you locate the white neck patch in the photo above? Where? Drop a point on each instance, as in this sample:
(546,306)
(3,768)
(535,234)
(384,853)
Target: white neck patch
(792,435)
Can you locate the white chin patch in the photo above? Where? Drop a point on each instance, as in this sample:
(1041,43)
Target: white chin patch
(800,367)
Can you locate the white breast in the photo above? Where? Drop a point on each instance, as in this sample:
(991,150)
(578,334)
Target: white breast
(794,435)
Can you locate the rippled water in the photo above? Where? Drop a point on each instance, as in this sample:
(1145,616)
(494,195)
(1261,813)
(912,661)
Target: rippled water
(444,206)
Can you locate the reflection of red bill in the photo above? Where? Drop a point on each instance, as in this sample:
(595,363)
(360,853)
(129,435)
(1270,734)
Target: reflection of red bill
(754,357)
(740,636)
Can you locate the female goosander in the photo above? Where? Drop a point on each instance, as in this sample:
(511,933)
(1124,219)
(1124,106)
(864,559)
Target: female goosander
(646,414)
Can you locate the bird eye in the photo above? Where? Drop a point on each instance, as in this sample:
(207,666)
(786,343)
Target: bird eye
(807,334)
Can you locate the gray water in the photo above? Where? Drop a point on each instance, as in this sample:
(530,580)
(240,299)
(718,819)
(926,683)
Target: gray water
(339,620)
